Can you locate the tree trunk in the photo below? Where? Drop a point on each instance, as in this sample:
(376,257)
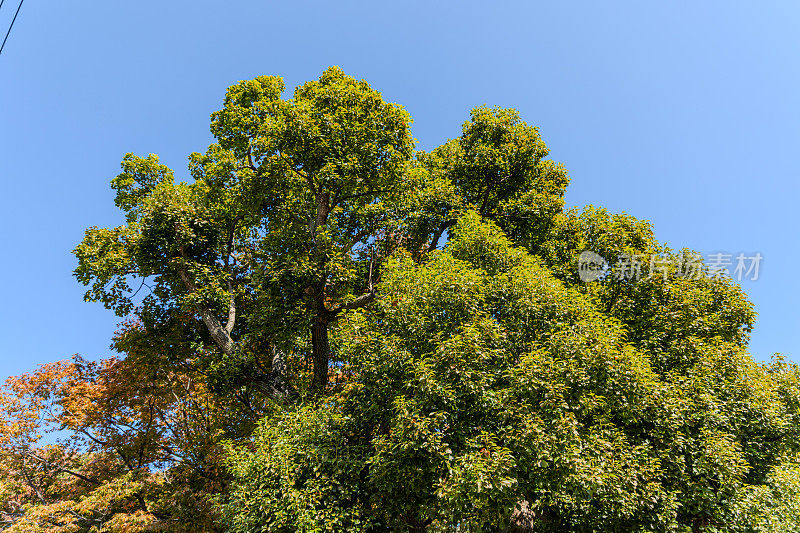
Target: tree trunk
(275,384)
(321,350)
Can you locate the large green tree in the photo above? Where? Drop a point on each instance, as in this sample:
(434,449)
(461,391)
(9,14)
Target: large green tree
(279,231)
(485,393)
(480,385)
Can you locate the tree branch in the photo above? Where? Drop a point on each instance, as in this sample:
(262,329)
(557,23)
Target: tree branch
(274,383)
(303,175)
(438,235)
(220,335)
(62,469)
(231,310)
(323,210)
(359,302)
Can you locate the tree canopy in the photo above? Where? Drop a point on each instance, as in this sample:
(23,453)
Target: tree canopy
(326,329)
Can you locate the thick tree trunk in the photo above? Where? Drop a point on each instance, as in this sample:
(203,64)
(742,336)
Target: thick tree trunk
(275,384)
(320,350)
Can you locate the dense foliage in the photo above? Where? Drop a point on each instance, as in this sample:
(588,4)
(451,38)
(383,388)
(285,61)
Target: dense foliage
(328,331)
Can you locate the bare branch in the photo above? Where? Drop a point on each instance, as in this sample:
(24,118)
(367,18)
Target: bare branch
(231,310)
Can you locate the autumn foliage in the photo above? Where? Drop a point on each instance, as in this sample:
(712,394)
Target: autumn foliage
(121,444)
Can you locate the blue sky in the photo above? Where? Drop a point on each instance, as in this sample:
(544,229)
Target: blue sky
(683,113)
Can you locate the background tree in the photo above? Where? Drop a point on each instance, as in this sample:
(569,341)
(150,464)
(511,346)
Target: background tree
(497,167)
(123,444)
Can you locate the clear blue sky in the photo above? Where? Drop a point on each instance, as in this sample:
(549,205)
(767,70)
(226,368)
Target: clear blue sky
(684,113)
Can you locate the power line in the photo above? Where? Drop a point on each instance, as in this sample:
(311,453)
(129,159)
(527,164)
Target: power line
(12,24)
